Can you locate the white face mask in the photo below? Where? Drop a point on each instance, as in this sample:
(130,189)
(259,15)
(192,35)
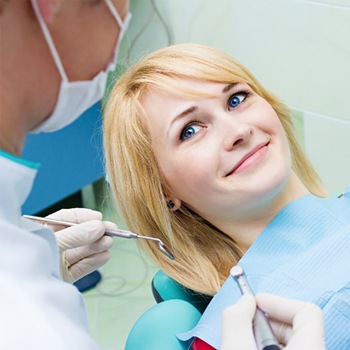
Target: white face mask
(76,97)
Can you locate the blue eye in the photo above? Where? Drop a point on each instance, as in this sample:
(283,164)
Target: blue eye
(189,131)
(236,99)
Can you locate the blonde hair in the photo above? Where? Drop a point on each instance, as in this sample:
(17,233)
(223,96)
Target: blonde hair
(203,254)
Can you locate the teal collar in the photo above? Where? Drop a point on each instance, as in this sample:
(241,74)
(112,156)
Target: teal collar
(18,160)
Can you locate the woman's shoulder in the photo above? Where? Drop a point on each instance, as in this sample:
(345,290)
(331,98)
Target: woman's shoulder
(338,206)
(335,207)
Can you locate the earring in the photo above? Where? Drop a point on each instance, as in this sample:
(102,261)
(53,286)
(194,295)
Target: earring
(170,204)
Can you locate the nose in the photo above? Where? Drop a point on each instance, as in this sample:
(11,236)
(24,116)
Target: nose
(236,133)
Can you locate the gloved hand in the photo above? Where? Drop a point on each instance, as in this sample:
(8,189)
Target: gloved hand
(297,325)
(84,247)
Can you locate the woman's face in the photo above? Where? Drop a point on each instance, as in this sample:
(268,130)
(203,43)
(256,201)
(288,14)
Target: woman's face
(222,156)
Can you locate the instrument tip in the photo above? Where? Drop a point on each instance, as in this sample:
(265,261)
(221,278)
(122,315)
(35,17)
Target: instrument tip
(166,251)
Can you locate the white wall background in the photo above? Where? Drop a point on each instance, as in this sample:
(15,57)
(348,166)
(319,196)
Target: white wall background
(299,50)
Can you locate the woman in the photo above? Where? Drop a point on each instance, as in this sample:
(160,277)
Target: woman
(200,155)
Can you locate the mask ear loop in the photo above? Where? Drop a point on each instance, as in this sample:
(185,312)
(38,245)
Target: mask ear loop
(122,25)
(115,14)
(49,41)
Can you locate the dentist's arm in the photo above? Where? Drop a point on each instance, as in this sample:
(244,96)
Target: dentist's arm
(84,247)
(297,325)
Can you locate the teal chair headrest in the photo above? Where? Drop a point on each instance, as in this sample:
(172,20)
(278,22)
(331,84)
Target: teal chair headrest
(158,326)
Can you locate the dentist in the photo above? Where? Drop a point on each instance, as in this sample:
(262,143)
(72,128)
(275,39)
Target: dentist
(54,59)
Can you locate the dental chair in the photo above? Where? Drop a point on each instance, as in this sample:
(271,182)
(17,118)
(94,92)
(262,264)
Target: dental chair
(178,310)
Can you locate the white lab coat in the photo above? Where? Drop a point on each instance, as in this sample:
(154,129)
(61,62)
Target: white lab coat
(37,309)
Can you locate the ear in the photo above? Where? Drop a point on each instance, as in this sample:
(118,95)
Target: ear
(173,203)
(49,9)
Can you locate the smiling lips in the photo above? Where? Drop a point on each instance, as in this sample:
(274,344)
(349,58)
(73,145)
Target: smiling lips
(250,159)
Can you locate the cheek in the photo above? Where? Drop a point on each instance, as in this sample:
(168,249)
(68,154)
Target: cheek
(186,174)
(271,124)
(280,133)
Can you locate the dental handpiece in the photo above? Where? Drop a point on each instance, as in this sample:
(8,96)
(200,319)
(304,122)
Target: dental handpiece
(264,337)
(116,232)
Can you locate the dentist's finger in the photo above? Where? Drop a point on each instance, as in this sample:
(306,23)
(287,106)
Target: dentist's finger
(296,323)
(80,235)
(237,329)
(74,215)
(103,244)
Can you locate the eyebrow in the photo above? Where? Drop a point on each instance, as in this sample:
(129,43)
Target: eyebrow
(229,87)
(194,108)
(183,114)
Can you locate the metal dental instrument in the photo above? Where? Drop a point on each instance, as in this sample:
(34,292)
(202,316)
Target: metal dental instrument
(264,337)
(114,232)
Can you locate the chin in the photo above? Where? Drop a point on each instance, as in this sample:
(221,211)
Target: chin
(274,184)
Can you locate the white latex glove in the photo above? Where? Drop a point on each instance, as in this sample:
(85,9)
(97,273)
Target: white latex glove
(297,325)
(84,247)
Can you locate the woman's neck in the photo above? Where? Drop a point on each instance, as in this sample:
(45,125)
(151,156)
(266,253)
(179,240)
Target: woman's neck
(247,228)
